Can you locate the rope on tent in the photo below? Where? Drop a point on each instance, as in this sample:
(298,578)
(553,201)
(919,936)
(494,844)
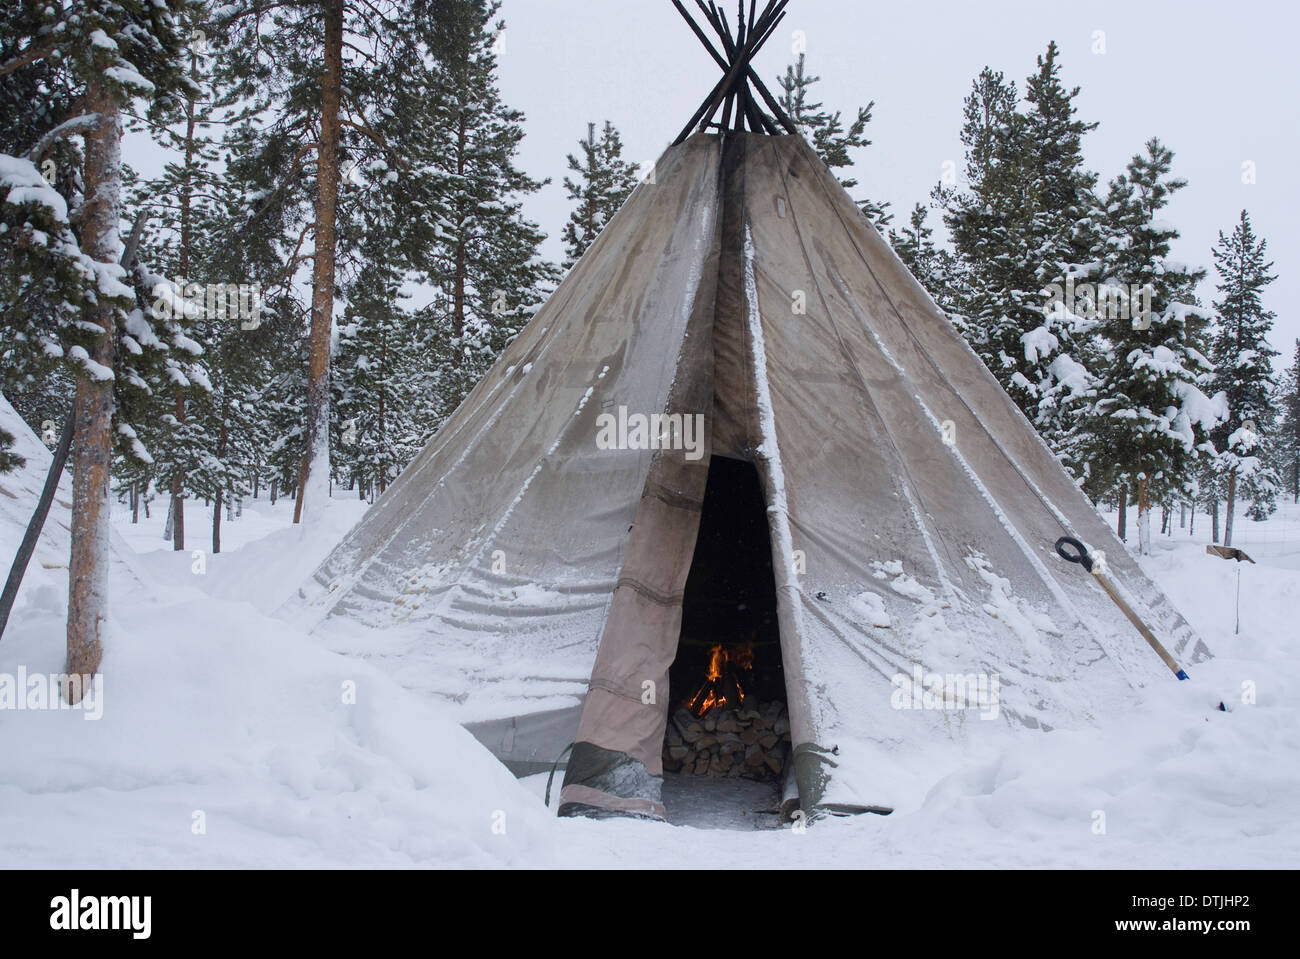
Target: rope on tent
(556,765)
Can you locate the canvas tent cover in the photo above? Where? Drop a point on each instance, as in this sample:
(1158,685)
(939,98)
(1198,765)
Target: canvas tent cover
(912,508)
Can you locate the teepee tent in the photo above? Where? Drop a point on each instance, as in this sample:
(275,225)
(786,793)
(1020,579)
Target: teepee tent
(552,531)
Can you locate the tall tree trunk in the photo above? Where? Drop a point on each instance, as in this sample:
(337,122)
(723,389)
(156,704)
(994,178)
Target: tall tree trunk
(380,444)
(1230,508)
(316,460)
(187,239)
(1121,525)
(135,503)
(458,274)
(274,484)
(1144,515)
(1182,515)
(178,488)
(216,522)
(222,444)
(92,459)
(1191,528)
(1214,520)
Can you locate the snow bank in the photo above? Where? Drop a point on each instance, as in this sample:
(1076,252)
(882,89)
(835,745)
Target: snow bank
(226,740)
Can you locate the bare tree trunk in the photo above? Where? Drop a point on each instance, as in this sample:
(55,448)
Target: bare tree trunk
(1121,526)
(1191,529)
(135,504)
(274,484)
(1230,508)
(1182,515)
(315,465)
(187,239)
(1214,520)
(222,444)
(458,276)
(178,492)
(216,524)
(92,459)
(1144,516)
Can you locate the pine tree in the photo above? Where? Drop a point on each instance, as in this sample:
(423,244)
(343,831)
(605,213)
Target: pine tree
(315,90)
(1024,224)
(185,210)
(1242,361)
(487,264)
(988,220)
(932,265)
(605,180)
(827,134)
(1148,426)
(1287,401)
(115,54)
(34,99)
(377,374)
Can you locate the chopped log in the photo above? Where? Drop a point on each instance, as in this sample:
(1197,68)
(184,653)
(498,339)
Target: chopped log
(768,740)
(782,726)
(679,752)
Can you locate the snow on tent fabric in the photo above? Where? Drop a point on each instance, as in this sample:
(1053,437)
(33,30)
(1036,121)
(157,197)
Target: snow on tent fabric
(683,306)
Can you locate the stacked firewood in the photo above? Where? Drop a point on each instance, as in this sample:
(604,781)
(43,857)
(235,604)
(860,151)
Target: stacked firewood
(751,742)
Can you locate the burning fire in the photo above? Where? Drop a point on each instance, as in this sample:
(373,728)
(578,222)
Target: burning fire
(721,688)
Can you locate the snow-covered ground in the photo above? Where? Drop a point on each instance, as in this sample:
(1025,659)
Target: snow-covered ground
(229,736)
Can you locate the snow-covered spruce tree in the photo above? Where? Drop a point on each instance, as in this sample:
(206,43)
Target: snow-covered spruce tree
(376,370)
(116,53)
(604,181)
(1023,224)
(186,208)
(827,133)
(1150,421)
(487,264)
(35,97)
(1243,372)
(932,265)
(971,212)
(989,221)
(1061,352)
(1287,403)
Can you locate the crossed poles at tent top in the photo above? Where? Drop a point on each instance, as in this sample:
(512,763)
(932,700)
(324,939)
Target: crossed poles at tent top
(734,93)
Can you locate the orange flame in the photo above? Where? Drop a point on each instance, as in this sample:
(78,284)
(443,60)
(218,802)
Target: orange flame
(712,693)
(717,657)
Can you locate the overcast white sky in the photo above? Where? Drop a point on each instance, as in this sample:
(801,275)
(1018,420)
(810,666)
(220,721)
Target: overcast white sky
(1217,82)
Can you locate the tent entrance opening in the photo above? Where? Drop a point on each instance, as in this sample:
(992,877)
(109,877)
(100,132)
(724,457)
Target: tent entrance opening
(728,711)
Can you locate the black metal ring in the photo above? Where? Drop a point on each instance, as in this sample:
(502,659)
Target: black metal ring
(1081,557)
